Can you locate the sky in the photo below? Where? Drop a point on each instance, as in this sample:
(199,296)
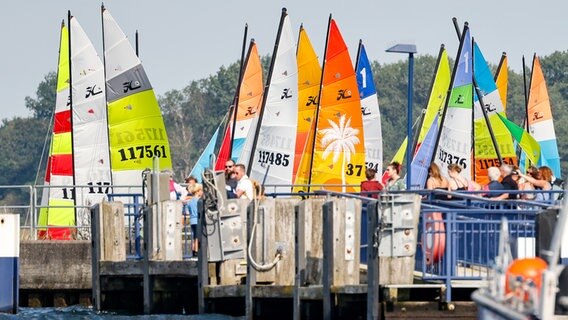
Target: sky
(185,40)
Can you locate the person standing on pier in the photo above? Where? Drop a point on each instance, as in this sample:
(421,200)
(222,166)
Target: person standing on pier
(245,188)
(371,184)
(230,179)
(196,191)
(395,182)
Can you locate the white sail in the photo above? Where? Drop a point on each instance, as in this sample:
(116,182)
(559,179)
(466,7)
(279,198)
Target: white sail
(136,128)
(90,136)
(273,157)
(370,111)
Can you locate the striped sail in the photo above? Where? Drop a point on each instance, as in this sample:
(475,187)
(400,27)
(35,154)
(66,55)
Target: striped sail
(136,128)
(454,141)
(339,153)
(541,125)
(59,169)
(436,101)
(502,80)
(485,154)
(250,102)
(309,78)
(370,111)
(89,125)
(273,155)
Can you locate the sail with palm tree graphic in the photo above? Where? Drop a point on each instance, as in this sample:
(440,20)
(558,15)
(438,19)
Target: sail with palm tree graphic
(339,146)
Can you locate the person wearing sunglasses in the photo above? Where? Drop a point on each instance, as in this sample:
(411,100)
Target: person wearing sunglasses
(230,179)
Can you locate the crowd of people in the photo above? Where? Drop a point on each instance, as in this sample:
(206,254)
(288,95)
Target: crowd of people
(501,180)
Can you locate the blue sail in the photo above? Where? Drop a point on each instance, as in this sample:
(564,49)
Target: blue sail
(203,161)
(423,157)
(370,110)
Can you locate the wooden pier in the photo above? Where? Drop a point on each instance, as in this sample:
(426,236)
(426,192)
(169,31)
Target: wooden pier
(275,258)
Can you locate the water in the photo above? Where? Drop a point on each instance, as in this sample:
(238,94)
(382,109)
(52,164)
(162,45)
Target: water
(79,313)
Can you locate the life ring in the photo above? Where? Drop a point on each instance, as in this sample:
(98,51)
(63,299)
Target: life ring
(434,238)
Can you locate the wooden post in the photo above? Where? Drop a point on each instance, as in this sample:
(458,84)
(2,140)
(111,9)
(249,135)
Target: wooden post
(111,237)
(327,259)
(373,308)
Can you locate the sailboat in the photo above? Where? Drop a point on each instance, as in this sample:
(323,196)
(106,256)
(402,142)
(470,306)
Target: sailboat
(370,111)
(309,79)
(79,160)
(226,147)
(250,102)
(339,145)
(136,129)
(486,155)
(91,165)
(272,156)
(57,208)
(540,121)
(454,141)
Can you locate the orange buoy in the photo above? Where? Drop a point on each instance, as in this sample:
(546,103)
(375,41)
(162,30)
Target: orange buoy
(527,269)
(434,238)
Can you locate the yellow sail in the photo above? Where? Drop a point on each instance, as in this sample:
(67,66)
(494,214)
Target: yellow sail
(309,77)
(339,153)
(136,129)
(57,203)
(438,92)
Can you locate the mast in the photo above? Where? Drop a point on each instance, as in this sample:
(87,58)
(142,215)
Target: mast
(457,27)
(106,89)
(319,103)
(500,66)
(526,94)
(446,103)
(266,89)
(358,53)
(137,44)
(69,16)
(238,90)
(299,33)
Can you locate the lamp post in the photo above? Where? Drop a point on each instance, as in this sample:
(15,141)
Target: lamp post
(411,50)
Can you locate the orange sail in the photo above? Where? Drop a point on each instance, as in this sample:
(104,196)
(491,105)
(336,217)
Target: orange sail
(339,152)
(250,102)
(309,77)
(541,123)
(501,80)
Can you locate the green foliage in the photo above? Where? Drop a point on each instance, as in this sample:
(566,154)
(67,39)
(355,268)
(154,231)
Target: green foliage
(43,106)
(20,152)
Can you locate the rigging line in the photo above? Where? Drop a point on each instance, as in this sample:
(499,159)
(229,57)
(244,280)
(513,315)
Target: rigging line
(45,142)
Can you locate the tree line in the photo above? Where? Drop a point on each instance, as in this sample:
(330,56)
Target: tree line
(192,114)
